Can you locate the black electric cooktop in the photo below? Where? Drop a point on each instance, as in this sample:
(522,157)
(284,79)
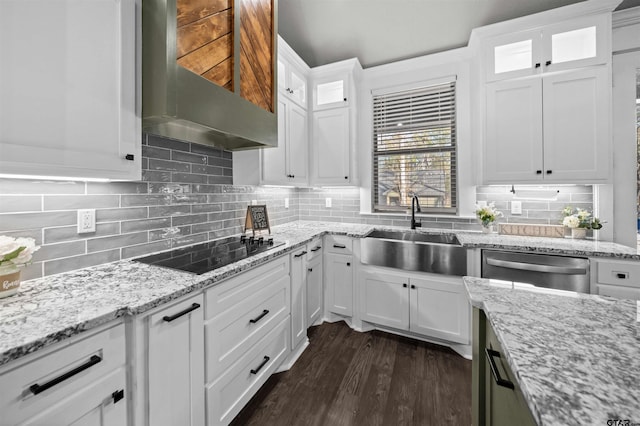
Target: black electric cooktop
(205,257)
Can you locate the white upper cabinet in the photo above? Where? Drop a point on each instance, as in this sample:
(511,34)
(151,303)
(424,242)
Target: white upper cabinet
(68,89)
(553,129)
(565,45)
(292,81)
(333,134)
(331,91)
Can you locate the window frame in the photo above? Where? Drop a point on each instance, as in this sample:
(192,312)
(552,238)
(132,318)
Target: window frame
(378,208)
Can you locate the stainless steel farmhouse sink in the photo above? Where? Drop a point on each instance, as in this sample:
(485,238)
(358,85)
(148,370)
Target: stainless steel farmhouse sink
(415,251)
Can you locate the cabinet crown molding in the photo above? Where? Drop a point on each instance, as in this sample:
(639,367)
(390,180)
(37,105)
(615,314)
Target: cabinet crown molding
(544,18)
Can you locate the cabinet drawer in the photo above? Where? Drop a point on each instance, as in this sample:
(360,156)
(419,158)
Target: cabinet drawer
(619,273)
(227,396)
(314,249)
(235,290)
(338,244)
(618,291)
(27,388)
(232,333)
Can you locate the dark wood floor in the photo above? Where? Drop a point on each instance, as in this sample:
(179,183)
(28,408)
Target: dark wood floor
(375,378)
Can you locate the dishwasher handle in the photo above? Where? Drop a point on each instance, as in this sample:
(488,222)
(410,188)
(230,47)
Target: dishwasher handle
(536,267)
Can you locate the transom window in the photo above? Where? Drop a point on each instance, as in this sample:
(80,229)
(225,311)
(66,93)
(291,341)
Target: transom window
(414,149)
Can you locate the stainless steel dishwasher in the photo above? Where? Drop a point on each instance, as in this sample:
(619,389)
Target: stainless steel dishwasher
(541,270)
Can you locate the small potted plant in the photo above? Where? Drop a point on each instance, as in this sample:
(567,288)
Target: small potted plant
(15,253)
(488,215)
(579,221)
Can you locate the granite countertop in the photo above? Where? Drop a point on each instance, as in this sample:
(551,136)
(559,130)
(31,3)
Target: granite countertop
(50,309)
(576,356)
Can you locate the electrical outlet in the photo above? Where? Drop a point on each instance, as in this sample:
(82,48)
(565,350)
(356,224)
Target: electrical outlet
(482,203)
(286,203)
(254,202)
(327,203)
(516,207)
(86,221)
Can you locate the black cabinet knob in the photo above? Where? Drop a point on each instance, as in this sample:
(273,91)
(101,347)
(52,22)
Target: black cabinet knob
(345,99)
(348,263)
(346,177)
(404,285)
(413,286)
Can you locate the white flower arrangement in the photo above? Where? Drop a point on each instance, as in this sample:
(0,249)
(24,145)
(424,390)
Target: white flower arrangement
(488,214)
(16,252)
(580,218)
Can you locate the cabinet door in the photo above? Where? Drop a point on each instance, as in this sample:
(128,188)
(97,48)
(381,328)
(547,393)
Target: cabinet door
(503,406)
(78,117)
(384,298)
(513,55)
(297,143)
(513,143)
(331,143)
(439,308)
(298,297)
(331,92)
(176,364)
(576,43)
(314,290)
(274,169)
(339,279)
(577,137)
(297,87)
(99,404)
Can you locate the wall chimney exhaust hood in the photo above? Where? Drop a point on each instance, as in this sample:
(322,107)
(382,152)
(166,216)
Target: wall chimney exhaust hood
(181,59)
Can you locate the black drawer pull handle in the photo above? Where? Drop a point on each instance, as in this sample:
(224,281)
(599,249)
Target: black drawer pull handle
(310,269)
(548,63)
(36,388)
(549,172)
(494,369)
(538,65)
(193,307)
(117,396)
(302,253)
(622,275)
(339,246)
(413,286)
(316,248)
(262,364)
(538,172)
(404,285)
(259,317)
(348,263)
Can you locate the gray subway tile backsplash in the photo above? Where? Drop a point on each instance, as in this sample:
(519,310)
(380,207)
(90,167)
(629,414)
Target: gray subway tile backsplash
(187,196)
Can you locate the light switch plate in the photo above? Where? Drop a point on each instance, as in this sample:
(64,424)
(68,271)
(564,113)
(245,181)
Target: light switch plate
(286,203)
(516,207)
(86,221)
(327,203)
(254,202)
(481,203)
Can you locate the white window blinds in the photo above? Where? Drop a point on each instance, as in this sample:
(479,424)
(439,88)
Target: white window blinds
(414,149)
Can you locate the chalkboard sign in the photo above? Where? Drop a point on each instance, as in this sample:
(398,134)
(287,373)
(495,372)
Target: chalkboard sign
(257,219)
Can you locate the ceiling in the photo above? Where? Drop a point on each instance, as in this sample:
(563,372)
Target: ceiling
(383,31)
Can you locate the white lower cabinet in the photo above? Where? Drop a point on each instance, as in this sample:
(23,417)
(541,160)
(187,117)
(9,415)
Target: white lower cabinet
(615,278)
(176,364)
(247,335)
(338,275)
(80,382)
(298,296)
(427,304)
(231,391)
(315,288)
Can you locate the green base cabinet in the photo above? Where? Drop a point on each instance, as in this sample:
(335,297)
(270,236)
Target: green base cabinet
(496,396)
